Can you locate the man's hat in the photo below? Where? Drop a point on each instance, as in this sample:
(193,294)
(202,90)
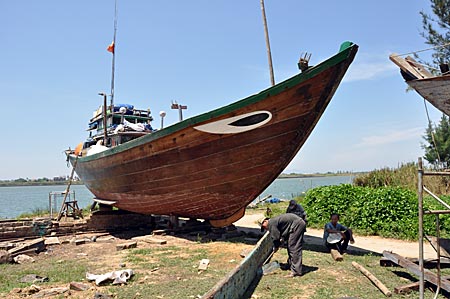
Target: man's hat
(262,228)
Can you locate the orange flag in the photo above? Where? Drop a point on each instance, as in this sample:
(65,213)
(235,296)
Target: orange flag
(111,48)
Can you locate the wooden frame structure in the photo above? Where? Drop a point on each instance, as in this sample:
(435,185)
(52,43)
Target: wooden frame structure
(421,188)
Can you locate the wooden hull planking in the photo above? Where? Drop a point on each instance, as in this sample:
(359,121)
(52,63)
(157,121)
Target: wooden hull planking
(185,171)
(435,90)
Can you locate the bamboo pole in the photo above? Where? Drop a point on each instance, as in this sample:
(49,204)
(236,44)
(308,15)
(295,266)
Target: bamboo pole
(372,278)
(269,53)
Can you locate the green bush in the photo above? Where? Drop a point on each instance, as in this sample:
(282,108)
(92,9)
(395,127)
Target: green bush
(383,211)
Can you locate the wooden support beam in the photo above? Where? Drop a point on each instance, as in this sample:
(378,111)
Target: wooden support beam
(415,269)
(373,279)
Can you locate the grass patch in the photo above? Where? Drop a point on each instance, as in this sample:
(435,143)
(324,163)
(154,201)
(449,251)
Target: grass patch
(55,270)
(37,212)
(329,279)
(275,208)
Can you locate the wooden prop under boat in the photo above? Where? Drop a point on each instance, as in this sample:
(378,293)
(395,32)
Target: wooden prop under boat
(213,165)
(434,89)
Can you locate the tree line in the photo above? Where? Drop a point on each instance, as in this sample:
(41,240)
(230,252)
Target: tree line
(436,31)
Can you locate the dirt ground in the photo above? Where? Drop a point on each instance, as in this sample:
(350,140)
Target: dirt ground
(99,262)
(103,257)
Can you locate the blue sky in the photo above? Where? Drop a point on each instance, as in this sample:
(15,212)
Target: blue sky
(205,54)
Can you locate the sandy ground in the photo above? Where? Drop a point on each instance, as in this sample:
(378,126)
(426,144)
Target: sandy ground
(371,243)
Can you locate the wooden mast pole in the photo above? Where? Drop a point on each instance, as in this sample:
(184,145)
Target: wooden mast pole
(269,53)
(113,56)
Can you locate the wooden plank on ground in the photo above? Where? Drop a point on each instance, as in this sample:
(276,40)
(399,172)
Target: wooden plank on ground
(203,264)
(150,239)
(337,256)
(373,279)
(404,289)
(127,245)
(415,269)
(36,243)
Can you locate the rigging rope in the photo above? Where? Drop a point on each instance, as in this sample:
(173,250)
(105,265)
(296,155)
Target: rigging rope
(428,49)
(431,132)
(424,101)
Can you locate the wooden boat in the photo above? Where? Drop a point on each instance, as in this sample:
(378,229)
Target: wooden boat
(434,89)
(213,165)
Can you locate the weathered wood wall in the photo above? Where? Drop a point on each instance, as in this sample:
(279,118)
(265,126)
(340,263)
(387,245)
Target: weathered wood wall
(236,283)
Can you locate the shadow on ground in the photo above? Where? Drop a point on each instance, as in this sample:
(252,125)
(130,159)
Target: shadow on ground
(234,234)
(312,243)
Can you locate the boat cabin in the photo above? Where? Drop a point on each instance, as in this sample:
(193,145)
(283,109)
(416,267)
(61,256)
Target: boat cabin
(123,123)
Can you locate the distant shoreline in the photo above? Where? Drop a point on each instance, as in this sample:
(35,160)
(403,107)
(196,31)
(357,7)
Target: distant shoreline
(26,184)
(316,175)
(40,182)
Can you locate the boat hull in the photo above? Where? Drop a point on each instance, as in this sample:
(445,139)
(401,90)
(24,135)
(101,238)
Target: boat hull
(213,165)
(435,90)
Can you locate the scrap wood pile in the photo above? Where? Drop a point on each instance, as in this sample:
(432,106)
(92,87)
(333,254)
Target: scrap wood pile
(442,283)
(19,252)
(429,276)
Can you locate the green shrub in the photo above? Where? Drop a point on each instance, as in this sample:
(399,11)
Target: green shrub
(383,211)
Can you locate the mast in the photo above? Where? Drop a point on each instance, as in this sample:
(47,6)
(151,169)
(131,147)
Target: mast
(269,53)
(113,51)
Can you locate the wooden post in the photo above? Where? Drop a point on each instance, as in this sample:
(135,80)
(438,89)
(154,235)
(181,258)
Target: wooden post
(67,189)
(174,223)
(372,278)
(336,255)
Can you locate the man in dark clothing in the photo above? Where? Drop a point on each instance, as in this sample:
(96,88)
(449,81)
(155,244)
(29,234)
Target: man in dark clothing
(290,228)
(296,209)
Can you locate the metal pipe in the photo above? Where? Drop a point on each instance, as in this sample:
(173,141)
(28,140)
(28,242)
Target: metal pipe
(420,207)
(436,173)
(437,212)
(105,133)
(438,252)
(437,198)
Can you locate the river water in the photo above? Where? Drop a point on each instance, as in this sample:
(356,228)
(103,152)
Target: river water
(17,200)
